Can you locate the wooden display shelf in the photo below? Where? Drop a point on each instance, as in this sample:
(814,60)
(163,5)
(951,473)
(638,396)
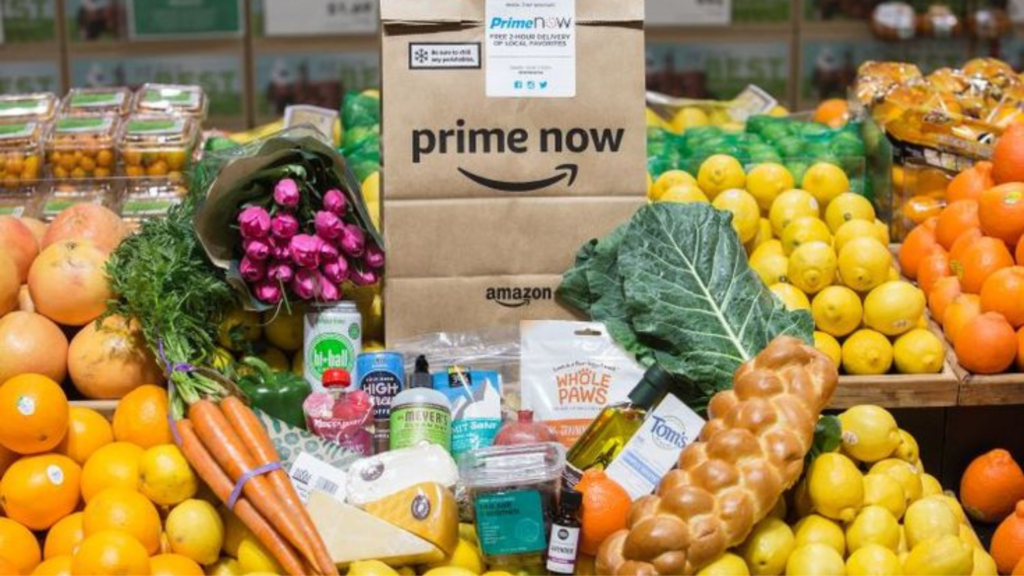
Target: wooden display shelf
(986,390)
(899,390)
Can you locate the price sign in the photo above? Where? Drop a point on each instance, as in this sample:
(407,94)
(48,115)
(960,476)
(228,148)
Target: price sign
(313,17)
(164,19)
(689,12)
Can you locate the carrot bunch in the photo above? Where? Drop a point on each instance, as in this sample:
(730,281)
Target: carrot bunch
(223,442)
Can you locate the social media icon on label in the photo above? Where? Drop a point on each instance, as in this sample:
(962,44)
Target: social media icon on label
(531,85)
(518,85)
(543,84)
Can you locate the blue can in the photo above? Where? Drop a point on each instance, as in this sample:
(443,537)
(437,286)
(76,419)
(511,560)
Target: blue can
(382,376)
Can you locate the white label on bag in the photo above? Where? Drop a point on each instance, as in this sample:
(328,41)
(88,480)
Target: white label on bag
(531,48)
(655,447)
(309,473)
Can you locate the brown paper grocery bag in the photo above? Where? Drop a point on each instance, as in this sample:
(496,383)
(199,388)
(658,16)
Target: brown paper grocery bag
(513,131)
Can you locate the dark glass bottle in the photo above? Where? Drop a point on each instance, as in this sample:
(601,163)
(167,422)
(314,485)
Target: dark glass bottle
(563,547)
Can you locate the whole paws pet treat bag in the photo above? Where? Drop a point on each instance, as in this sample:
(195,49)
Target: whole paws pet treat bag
(513,131)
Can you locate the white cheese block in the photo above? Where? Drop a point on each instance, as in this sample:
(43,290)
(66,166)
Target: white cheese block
(371,479)
(351,535)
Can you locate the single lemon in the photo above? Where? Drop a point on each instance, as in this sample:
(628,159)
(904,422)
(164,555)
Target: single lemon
(763,236)
(165,476)
(766,181)
(954,505)
(746,216)
(943,556)
(883,490)
(466,555)
(669,179)
(864,263)
(789,206)
(772,269)
(825,182)
(829,346)
(984,565)
(815,560)
(779,112)
(802,230)
(689,117)
(882,229)
(904,472)
(893,308)
(848,206)
(930,486)
(907,449)
(873,525)
(867,352)
(727,564)
(812,267)
(719,173)
(237,327)
(790,296)
(870,432)
(835,486)
(772,246)
(196,531)
(654,120)
(683,194)
(370,568)
(873,560)
(275,358)
(919,351)
(816,529)
(225,567)
(449,571)
(284,329)
(857,229)
(929,518)
(837,310)
(768,547)
(254,557)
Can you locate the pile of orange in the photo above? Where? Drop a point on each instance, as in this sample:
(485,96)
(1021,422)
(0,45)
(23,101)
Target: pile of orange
(71,484)
(969,260)
(992,491)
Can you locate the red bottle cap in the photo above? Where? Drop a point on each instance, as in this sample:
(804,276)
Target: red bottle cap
(337,378)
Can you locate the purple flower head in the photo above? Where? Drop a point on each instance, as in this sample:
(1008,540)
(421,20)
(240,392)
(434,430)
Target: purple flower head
(328,253)
(363,277)
(353,242)
(336,271)
(284,226)
(281,272)
(254,223)
(268,291)
(374,257)
(286,193)
(256,250)
(305,284)
(329,291)
(335,202)
(306,250)
(328,226)
(252,270)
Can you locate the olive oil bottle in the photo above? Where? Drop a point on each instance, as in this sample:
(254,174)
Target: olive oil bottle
(608,434)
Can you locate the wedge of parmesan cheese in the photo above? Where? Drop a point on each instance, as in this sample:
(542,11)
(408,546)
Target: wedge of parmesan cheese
(351,534)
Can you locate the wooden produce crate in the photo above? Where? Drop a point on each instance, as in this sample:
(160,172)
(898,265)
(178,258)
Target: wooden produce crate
(899,390)
(986,390)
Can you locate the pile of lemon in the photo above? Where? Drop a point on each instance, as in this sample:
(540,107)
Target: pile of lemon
(820,247)
(867,509)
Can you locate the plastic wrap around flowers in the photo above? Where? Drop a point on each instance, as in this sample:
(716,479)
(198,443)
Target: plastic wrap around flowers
(304,248)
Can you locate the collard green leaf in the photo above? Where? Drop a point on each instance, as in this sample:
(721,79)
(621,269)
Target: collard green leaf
(574,289)
(828,435)
(687,283)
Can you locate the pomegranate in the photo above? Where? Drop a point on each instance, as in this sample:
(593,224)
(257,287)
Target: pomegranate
(524,431)
(68,284)
(111,360)
(17,241)
(90,222)
(29,343)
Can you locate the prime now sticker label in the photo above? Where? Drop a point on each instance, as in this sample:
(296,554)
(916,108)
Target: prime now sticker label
(531,48)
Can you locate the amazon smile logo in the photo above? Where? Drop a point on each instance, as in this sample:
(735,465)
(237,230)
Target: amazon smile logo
(517,297)
(566,170)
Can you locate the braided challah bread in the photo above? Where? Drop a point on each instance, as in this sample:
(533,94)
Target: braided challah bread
(751,450)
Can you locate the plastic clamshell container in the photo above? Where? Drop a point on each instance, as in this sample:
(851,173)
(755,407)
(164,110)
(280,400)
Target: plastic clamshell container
(21,154)
(172,98)
(66,194)
(41,106)
(156,145)
(83,146)
(89,101)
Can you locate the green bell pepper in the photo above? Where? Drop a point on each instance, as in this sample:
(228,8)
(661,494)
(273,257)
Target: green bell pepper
(279,394)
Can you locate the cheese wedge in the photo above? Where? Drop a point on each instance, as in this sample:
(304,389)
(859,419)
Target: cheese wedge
(351,534)
(428,510)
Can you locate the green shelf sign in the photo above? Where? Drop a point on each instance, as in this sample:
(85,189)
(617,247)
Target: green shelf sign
(163,19)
